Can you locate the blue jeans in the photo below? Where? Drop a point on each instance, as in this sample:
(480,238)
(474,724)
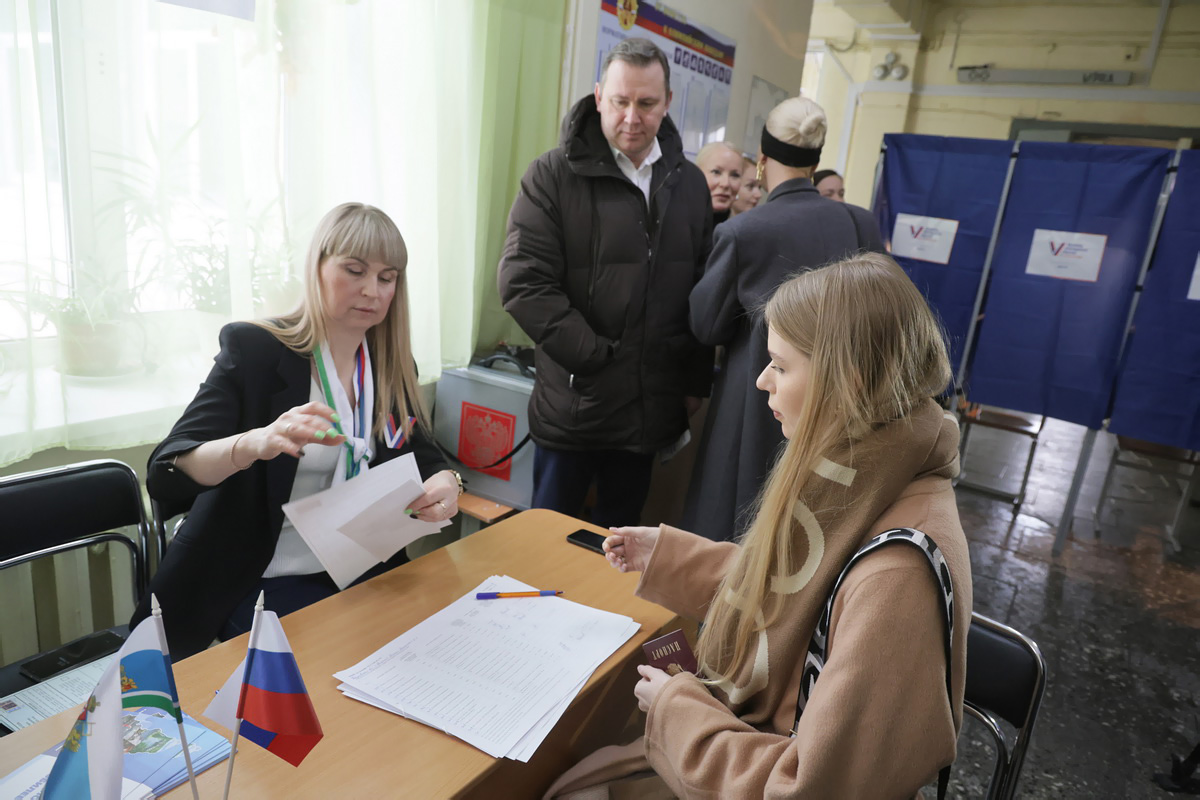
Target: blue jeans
(561,479)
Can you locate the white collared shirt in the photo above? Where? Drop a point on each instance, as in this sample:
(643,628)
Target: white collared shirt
(639,175)
(314,473)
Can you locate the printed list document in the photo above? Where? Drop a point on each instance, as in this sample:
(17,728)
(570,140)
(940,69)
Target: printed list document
(497,674)
(53,695)
(355,525)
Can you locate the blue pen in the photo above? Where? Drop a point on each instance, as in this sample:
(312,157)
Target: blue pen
(502,595)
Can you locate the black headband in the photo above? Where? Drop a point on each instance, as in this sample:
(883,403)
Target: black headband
(789,154)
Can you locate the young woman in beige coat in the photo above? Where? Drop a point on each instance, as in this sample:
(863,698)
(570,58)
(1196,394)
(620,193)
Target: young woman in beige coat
(856,356)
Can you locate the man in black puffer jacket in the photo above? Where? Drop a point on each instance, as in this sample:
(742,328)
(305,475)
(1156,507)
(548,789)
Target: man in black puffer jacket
(607,237)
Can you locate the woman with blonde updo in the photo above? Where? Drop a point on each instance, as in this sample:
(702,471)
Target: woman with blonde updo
(795,229)
(833,651)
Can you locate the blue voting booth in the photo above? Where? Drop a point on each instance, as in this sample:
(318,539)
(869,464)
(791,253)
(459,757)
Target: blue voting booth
(1158,389)
(1072,324)
(948,179)
(1076,227)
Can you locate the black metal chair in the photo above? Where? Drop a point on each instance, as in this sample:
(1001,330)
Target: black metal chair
(159,524)
(1006,677)
(57,510)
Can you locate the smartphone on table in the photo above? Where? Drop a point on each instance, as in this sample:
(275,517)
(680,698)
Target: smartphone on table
(73,654)
(587,539)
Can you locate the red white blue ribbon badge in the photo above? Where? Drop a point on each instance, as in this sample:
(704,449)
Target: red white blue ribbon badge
(393,435)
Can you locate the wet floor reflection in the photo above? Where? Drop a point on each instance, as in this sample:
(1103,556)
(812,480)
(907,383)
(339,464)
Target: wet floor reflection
(1117,616)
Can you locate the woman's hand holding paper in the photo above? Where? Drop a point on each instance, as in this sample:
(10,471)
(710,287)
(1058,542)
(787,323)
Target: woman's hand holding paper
(440,501)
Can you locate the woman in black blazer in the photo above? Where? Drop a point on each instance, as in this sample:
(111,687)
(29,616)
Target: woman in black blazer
(291,406)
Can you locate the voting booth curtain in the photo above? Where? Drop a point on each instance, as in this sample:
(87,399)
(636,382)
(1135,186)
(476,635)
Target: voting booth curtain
(1075,230)
(938,201)
(1076,223)
(1158,388)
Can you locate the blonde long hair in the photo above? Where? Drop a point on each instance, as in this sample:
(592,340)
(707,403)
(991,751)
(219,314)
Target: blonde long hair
(876,351)
(361,231)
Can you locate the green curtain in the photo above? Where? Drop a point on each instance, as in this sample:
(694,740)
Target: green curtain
(519,79)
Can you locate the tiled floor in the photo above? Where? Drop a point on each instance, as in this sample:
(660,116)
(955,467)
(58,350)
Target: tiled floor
(1117,617)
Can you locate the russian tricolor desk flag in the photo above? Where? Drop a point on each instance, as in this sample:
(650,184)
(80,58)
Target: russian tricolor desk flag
(276,711)
(89,764)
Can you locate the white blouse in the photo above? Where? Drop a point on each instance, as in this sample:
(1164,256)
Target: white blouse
(314,474)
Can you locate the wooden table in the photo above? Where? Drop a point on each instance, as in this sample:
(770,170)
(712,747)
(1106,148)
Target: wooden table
(367,752)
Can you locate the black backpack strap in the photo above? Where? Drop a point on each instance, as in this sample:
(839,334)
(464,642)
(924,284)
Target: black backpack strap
(818,647)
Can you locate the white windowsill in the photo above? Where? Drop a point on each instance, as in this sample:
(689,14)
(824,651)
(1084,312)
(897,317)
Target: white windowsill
(94,413)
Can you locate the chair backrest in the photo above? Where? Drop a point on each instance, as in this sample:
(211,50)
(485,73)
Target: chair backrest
(63,508)
(1006,677)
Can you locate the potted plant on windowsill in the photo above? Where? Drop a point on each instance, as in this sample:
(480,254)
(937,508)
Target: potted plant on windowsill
(95,322)
(94,340)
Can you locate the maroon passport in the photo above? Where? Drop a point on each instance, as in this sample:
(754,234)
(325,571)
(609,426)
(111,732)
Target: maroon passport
(672,649)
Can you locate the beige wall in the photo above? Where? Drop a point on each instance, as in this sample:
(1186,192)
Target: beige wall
(1071,35)
(770,36)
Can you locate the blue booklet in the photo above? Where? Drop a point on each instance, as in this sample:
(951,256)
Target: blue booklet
(153,762)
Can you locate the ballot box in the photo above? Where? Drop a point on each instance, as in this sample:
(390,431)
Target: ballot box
(482,413)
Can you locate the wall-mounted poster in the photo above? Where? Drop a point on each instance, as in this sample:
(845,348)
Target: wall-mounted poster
(701,64)
(764,96)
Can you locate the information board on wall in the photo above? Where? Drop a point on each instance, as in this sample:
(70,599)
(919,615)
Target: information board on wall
(764,96)
(701,64)
(1066,254)
(924,238)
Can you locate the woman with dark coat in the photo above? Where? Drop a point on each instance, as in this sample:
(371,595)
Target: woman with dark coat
(292,406)
(795,230)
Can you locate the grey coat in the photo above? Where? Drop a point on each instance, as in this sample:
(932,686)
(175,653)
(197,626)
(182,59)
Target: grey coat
(753,253)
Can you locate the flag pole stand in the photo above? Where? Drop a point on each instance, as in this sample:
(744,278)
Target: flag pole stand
(237,725)
(156,612)
(232,754)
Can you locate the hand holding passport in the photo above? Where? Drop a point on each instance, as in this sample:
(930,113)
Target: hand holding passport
(671,653)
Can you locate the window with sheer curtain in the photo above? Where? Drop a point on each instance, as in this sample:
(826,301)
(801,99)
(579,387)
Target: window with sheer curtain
(162,169)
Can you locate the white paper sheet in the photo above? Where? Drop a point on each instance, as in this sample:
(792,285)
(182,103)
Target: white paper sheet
(355,525)
(53,695)
(497,674)
(1068,255)
(924,238)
